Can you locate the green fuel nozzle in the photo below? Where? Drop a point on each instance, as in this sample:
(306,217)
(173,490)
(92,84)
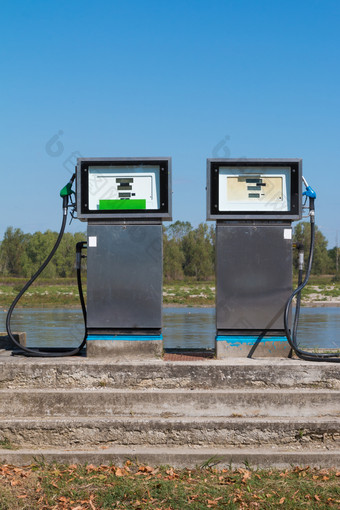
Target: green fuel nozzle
(67,190)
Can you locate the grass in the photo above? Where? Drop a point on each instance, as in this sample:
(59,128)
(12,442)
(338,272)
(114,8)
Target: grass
(40,294)
(46,293)
(5,444)
(64,292)
(189,293)
(133,487)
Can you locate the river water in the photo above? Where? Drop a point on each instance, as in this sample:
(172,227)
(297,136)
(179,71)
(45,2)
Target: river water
(184,328)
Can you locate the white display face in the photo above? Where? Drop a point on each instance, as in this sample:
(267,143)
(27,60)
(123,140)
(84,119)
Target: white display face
(254,189)
(123,187)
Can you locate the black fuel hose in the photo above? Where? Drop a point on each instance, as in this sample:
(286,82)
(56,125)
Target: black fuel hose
(40,353)
(79,248)
(292,335)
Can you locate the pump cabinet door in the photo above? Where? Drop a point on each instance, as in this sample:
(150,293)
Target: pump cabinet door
(124,276)
(254,276)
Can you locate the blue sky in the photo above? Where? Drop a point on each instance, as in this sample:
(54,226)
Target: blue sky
(187,79)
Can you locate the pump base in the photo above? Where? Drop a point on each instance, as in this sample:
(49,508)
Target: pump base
(6,342)
(121,346)
(236,346)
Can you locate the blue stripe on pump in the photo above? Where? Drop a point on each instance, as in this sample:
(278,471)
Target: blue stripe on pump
(248,340)
(128,338)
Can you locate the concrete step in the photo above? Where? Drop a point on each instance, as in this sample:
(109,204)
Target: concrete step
(20,372)
(306,403)
(152,431)
(275,457)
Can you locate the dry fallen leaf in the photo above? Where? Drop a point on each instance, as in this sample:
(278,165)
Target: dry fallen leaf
(90,468)
(246,476)
(146,469)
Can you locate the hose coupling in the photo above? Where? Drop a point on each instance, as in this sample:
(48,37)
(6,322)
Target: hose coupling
(301,259)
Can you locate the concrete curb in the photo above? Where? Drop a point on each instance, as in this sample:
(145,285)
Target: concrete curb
(179,457)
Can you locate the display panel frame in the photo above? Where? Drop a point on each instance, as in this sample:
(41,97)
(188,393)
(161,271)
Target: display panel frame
(85,213)
(293,200)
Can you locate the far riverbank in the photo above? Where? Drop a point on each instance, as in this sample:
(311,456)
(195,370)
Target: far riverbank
(62,293)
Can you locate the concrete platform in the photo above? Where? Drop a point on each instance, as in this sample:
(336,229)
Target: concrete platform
(242,346)
(147,348)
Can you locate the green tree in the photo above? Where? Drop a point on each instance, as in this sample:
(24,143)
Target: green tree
(321,261)
(37,250)
(23,254)
(173,255)
(65,258)
(173,259)
(12,251)
(334,256)
(199,253)
(178,230)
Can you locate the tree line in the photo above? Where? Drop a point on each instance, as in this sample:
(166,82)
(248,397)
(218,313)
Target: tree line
(188,252)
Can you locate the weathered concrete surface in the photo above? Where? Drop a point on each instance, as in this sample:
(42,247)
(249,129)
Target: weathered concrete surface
(7,344)
(267,412)
(21,372)
(306,403)
(180,457)
(130,350)
(265,349)
(151,431)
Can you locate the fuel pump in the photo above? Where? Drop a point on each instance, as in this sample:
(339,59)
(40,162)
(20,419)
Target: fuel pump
(254,202)
(124,202)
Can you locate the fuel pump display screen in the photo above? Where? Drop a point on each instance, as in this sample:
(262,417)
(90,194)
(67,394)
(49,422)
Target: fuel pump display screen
(123,188)
(254,189)
(113,188)
(248,189)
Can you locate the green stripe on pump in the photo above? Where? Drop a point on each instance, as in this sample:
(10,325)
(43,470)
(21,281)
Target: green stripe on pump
(111,205)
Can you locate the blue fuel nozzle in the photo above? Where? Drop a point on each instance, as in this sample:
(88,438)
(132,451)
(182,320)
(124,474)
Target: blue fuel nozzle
(309,192)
